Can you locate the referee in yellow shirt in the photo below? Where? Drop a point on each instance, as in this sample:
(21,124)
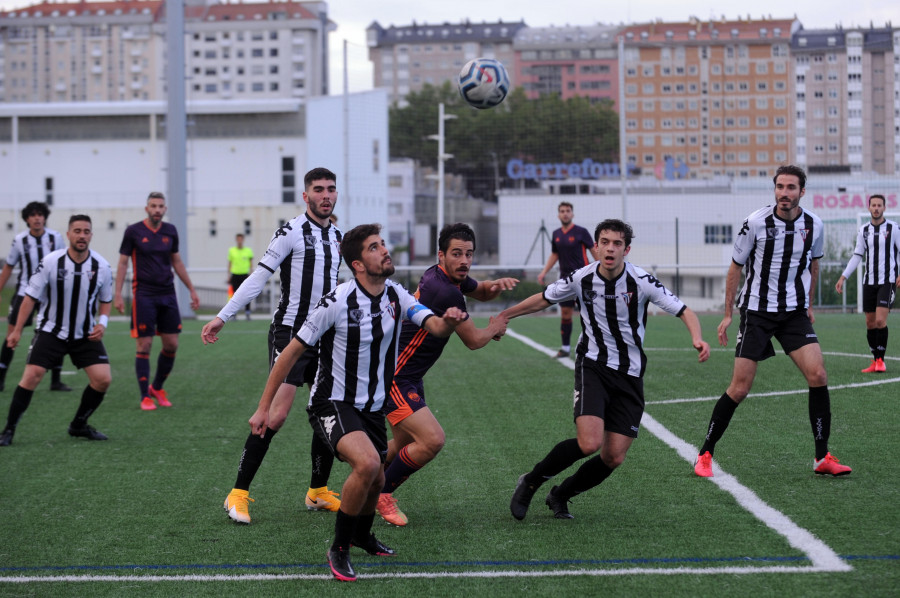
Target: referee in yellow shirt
(240,263)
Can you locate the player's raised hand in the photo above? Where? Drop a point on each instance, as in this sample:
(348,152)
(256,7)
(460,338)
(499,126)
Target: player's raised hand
(504,284)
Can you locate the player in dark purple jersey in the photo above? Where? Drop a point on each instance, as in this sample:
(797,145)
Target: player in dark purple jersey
(417,435)
(570,246)
(151,246)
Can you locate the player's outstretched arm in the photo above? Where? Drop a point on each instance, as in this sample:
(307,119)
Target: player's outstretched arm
(476,338)
(445,325)
(693,325)
(527,306)
(491,289)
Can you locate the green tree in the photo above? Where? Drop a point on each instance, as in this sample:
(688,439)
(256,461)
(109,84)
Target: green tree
(547,129)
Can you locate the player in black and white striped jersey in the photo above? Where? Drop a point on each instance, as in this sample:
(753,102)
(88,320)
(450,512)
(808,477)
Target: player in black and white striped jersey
(357,328)
(779,247)
(28,249)
(307,252)
(70,284)
(612,296)
(878,243)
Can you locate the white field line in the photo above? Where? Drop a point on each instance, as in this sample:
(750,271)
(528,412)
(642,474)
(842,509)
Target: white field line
(416,575)
(823,558)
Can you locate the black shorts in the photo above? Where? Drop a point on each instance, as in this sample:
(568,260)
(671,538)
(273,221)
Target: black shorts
(406,397)
(14,306)
(304,370)
(614,397)
(878,295)
(332,420)
(155,314)
(237,280)
(754,340)
(47,351)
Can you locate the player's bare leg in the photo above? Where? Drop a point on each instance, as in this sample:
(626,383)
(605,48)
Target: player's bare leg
(417,440)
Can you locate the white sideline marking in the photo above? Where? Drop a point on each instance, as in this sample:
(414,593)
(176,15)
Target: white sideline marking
(823,558)
(777,393)
(419,575)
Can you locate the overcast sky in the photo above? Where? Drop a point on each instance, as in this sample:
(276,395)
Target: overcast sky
(353,16)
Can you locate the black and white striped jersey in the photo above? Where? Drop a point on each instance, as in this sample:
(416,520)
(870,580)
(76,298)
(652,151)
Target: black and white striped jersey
(358,337)
(27,251)
(309,257)
(614,313)
(68,293)
(776,255)
(878,245)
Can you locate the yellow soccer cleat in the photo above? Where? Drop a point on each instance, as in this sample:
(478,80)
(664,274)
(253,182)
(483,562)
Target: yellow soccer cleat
(322,499)
(237,504)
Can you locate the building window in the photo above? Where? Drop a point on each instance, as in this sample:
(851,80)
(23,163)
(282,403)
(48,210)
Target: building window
(288,180)
(717,234)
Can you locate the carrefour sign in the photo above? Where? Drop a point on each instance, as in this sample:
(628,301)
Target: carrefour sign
(586,169)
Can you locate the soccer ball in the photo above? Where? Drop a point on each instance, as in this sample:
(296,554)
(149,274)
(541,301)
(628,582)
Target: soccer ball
(483,82)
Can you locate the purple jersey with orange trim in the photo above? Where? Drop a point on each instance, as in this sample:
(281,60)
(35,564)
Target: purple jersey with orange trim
(571,248)
(151,257)
(419,350)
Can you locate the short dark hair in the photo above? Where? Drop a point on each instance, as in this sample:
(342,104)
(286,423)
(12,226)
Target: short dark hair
(565,203)
(352,243)
(35,207)
(877,196)
(460,231)
(156,195)
(317,174)
(791,169)
(617,226)
(80,218)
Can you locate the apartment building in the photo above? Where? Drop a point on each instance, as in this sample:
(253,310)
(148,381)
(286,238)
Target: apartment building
(405,58)
(568,61)
(708,98)
(115,51)
(846,100)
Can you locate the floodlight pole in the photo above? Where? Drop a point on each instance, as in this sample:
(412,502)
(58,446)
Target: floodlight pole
(623,158)
(176,142)
(442,157)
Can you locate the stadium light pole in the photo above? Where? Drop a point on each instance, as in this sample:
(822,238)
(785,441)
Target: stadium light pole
(623,158)
(442,157)
(176,142)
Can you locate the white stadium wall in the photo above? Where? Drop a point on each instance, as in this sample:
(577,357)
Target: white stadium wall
(361,163)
